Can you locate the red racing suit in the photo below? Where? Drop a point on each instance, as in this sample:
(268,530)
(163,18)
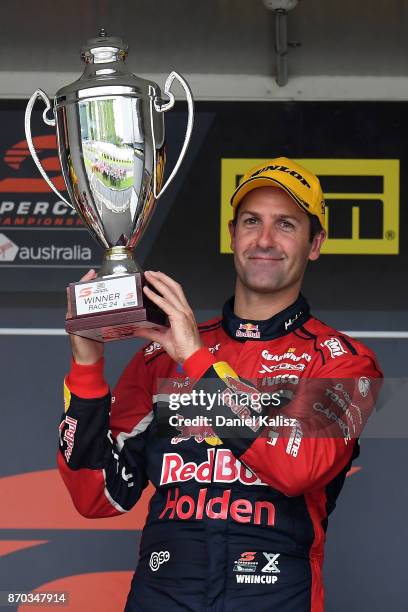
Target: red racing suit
(239,513)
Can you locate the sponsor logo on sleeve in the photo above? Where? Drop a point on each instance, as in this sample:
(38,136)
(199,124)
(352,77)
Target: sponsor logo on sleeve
(214,349)
(364,385)
(67,431)
(153,346)
(295,440)
(331,415)
(335,347)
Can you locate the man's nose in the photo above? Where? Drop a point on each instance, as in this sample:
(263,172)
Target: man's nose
(266,236)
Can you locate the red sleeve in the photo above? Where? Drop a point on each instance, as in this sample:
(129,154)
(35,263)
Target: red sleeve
(101,456)
(327,421)
(198,363)
(87,381)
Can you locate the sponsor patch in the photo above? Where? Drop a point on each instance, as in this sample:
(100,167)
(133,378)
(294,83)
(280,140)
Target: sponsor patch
(246,564)
(299,367)
(153,346)
(214,349)
(291,321)
(364,385)
(157,559)
(246,568)
(198,432)
(289,356)
(335,347)
(220,466)
(248,330)
(67,431)
(295,440)
(272,563)
(186,507)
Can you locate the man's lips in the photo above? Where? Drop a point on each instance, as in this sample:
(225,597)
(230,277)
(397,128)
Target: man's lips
(264,258)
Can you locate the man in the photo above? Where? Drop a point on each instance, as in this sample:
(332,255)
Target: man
(240,511)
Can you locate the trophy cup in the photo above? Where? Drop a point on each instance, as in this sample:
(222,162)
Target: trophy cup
(111,146)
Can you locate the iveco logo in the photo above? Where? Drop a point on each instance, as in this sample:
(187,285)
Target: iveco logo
(8,250)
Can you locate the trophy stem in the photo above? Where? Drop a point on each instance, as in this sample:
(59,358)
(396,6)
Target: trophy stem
(118,260)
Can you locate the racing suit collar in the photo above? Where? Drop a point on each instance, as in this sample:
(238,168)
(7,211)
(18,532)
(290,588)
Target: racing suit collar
(279,325)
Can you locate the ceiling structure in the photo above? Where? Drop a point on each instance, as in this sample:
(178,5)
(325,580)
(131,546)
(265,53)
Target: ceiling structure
(225,48)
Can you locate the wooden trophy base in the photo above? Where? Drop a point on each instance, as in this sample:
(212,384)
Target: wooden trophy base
(113,308)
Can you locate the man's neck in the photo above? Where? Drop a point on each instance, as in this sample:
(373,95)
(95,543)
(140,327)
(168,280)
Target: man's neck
(261,306)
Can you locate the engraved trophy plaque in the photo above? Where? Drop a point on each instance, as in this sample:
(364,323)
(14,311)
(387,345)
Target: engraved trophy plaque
(111,146)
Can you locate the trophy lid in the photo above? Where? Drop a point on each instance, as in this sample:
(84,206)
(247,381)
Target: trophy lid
(105,66)
(104,49)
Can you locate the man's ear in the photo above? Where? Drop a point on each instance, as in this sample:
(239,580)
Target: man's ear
(317,243)
(231,227)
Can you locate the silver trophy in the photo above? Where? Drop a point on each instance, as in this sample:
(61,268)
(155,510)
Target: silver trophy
(111,146)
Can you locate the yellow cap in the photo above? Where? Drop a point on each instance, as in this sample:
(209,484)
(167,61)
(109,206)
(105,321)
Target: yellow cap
(303,186)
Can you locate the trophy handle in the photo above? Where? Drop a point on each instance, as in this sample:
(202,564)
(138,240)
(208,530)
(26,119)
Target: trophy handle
(163,108)
(27,125)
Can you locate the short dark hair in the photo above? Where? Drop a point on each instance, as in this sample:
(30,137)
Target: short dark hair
(315,226)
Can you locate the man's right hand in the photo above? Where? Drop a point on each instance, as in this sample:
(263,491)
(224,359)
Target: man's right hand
(84,350)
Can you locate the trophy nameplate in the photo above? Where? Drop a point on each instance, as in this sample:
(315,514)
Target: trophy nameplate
(108,309)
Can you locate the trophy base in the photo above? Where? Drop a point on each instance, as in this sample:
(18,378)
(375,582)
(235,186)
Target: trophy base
(115,325)
(114,308)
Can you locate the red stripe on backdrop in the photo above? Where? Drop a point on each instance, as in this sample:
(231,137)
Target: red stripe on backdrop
(10,546)
(39,500)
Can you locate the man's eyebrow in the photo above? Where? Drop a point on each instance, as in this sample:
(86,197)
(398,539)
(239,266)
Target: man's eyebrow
(278,215)
(291,217)
(250,212)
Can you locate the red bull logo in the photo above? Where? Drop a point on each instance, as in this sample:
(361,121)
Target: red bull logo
(199,431)
(239,386)
(248,330)
(220,466)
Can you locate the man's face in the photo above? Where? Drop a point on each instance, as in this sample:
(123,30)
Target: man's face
(271,241)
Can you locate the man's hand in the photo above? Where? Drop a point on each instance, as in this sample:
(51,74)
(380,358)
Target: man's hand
(182,338)
(84,350)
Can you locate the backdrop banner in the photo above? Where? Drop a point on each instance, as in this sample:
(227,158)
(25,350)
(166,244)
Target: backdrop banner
(357,149)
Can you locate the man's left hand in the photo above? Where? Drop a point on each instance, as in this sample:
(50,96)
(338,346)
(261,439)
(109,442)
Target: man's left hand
(182,338)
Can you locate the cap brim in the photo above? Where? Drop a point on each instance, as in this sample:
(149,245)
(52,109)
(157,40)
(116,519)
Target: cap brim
(263,181)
